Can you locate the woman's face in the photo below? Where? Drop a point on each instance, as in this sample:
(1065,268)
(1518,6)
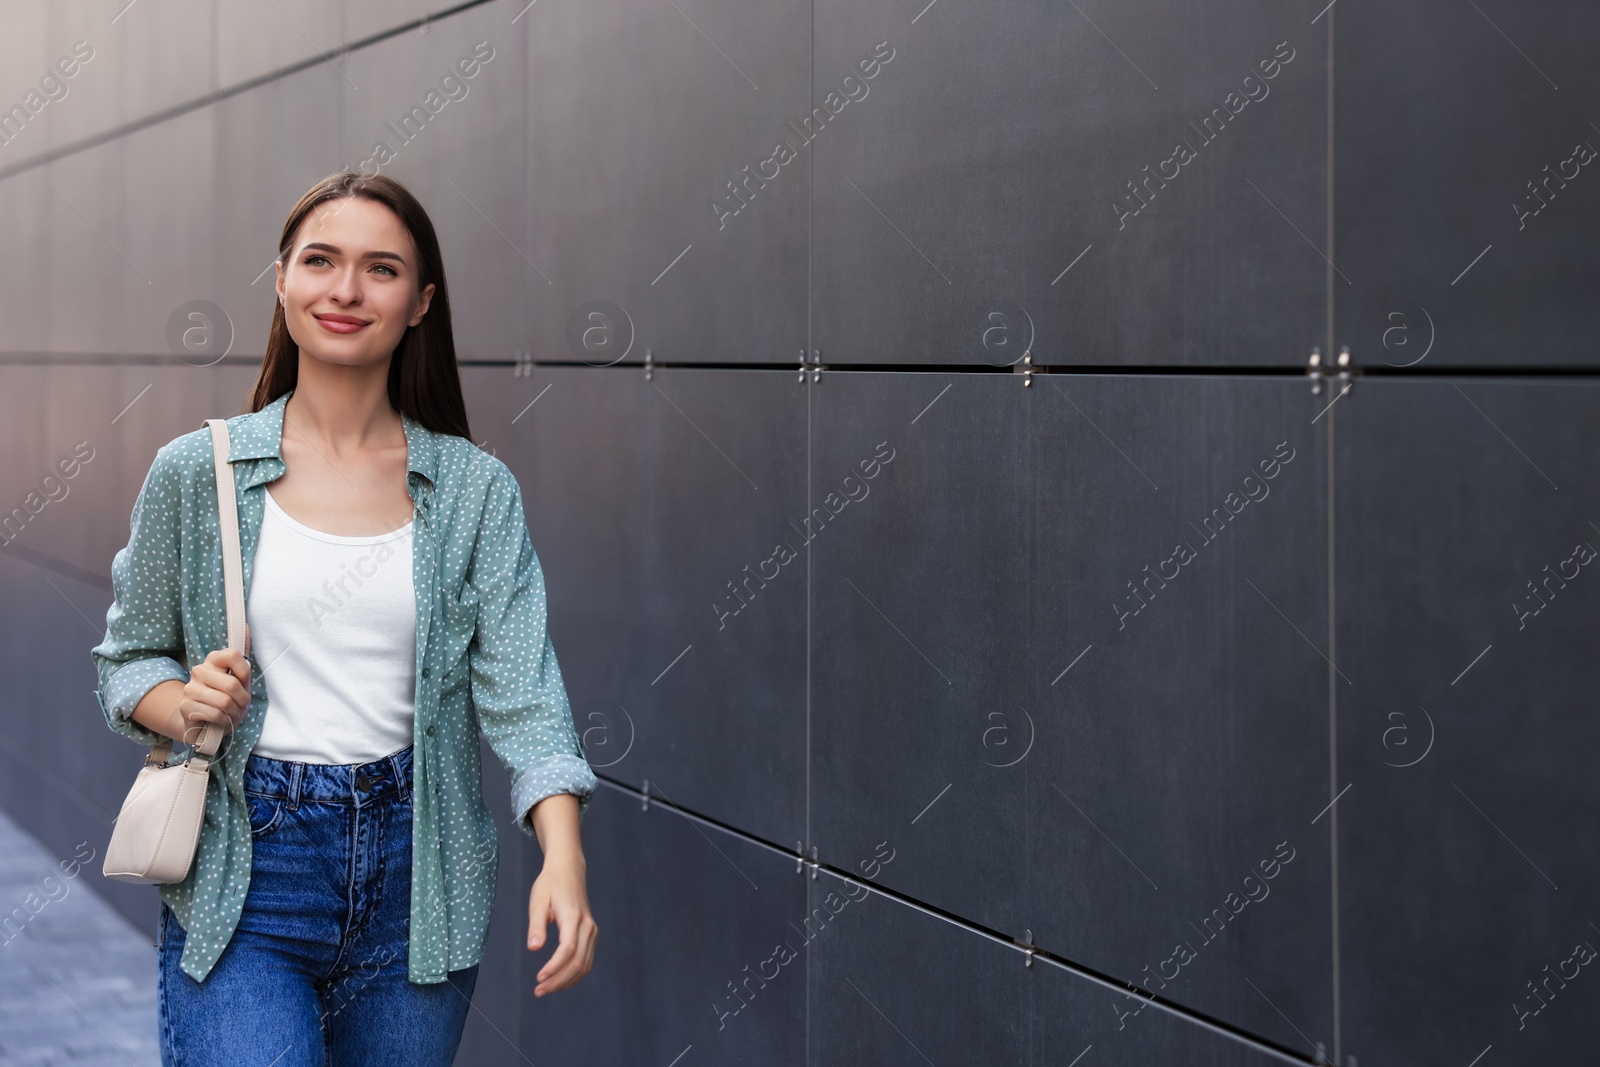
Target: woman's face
(349,285)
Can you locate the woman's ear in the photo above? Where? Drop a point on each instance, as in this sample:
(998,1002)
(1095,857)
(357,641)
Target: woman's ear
(423,300)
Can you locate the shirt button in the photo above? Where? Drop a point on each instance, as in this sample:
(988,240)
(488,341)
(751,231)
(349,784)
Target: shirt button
(429,731)
(425,672)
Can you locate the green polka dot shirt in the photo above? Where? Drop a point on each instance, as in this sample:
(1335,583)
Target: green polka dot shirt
(484,661)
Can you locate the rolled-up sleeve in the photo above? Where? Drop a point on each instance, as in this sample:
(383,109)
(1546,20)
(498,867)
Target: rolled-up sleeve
(144,643)
(517,691)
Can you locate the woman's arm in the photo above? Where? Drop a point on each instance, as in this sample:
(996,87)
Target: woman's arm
(145,691)
(560,895)
(158,710)
(143,647)
(522,708)
(215,693)
(517,689)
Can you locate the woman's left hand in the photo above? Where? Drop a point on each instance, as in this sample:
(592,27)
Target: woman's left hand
(560,896)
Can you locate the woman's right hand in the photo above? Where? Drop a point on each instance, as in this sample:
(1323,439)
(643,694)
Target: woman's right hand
(217,693)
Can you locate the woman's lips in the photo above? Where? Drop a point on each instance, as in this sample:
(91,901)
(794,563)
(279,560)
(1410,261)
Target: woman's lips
(340,323)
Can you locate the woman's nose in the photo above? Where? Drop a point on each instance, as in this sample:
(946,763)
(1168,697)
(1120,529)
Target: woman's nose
(346,289)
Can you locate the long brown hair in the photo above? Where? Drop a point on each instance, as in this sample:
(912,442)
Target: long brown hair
(424,382)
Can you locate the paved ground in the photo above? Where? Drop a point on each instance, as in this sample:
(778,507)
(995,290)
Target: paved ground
(77,982)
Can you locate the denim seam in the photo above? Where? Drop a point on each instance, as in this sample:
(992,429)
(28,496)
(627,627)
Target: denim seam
(278,809)
(369,826)
(353,844)
(168,1037)
(399,776)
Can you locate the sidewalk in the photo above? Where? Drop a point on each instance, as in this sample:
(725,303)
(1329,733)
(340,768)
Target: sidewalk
(77,982)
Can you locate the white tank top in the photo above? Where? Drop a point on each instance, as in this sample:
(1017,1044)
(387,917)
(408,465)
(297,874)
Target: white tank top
(333,627)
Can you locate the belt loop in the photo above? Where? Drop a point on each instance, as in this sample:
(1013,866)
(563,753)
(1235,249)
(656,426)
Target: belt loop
(296,772)
(399,776)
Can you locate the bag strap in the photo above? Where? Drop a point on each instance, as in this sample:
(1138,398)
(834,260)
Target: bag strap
(232,576)
(232,560)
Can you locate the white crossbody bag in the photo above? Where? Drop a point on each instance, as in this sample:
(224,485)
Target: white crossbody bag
(156,834)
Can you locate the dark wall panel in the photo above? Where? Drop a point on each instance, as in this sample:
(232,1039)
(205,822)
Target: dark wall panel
(984,1003)
(1179,693)
(1466,629)
(1466,152)
(147,58)
(920,630)
(464,156)
(1101,773)
(689,918)
(1223,263)
(656,506)
(996,151)
(919,136)
(639,120)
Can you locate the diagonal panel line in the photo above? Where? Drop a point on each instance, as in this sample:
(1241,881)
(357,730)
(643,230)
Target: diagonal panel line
(713,44)
(1513,44)
(1113,44)
(1502,433)
(1502,833)
(86,1019)
(1102,433)
(497,230)
(672,805)
(1279,1010)
(901,632)
(901,232)
(99,231)
(1268,1047)
(890,1021)
(1102,833)
(1297,630)
(709,441)
(1297,229)
(314,47)
(199,102)
(931,803)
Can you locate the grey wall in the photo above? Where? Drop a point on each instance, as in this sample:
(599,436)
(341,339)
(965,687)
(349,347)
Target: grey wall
(1059,660)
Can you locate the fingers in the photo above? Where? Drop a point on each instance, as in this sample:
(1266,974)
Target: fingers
(556,970)
(538,916)
(232,663)
(575,957)
(228,672)
(212,688)
(566,921)
(218,693)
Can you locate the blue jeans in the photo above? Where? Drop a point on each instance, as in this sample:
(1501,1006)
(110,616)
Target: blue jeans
(315,973)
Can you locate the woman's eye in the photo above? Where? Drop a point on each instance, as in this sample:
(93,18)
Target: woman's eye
(384,267)
(313,258)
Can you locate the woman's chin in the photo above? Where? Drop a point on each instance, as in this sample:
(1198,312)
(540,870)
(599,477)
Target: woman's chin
(350,355)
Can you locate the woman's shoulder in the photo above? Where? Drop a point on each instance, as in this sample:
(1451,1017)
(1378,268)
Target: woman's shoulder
(185,455)
(188,459)
(467,470)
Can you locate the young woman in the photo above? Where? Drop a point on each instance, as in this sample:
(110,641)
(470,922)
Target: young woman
(339,899)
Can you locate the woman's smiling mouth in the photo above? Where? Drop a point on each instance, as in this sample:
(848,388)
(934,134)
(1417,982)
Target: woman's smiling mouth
(341,323)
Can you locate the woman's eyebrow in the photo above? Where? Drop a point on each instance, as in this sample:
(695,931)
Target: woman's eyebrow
(319,246)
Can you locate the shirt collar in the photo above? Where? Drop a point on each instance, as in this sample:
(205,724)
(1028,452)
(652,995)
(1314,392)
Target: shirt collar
(259,436)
